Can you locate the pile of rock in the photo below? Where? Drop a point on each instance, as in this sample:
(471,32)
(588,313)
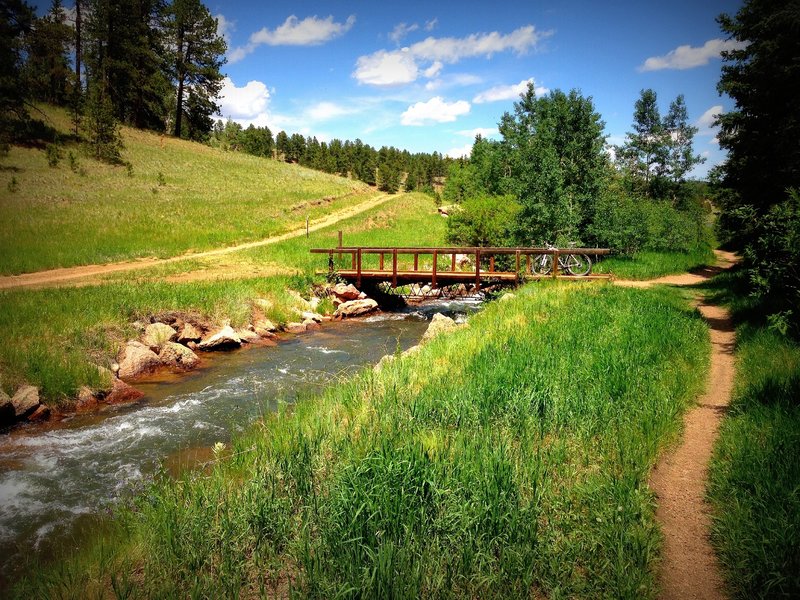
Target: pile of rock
(350,302)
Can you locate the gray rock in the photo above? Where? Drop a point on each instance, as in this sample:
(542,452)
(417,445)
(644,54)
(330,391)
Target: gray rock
(266,325)
(439,324)
(137,359)
(25,401)
(224,338)
(156,334)
(353,308)
(177,356)
(507,296)
(385,360)
(311,324)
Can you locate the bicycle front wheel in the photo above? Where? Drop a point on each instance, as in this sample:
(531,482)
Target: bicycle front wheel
(542,264)
(579,264)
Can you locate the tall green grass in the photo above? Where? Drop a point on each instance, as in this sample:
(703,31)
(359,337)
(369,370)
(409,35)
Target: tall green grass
(179,196)
(509,459)
(755,472)
(649,265)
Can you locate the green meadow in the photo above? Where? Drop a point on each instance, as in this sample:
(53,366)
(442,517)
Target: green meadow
(178,197)
(508,459)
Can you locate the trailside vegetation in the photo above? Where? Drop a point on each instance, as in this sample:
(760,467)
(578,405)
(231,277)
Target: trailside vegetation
(481,466)
(761,177)
(552,161)
(755,474)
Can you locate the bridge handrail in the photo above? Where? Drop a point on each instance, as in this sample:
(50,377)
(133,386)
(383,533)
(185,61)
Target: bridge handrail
(484,250)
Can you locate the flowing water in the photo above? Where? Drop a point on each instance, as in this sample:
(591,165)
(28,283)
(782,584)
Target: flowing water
(54,482)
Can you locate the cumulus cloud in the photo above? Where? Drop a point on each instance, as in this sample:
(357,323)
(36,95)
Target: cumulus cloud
(311,31)
(460,152)
(689,57)
(435,110)
(508,92)
(484,132)
(225,26)
(445,51)
(387,68)
(706,120)
(247,101)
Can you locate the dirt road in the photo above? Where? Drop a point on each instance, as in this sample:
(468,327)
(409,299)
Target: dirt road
(70,275)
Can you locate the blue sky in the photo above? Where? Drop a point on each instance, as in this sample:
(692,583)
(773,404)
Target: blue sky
(426,76)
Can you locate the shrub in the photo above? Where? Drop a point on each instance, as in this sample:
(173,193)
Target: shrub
(483,221)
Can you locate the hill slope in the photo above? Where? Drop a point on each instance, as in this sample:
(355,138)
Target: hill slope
(178,196)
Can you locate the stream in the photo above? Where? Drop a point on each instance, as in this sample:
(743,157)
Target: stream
(55,481)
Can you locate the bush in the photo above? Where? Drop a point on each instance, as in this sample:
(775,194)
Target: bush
(630,225)
(483,221)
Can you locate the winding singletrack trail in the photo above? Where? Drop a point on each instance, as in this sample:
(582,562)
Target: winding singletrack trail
(69,275)
(689,568)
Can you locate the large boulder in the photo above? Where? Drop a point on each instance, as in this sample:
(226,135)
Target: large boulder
(87,400)
(354,308)
(178,357)
(137,359)
(122,392)
(439,324)
(7,413)
(223,339)
(345,292)
(25,401)
(157,334)
(190,333)
(309,315)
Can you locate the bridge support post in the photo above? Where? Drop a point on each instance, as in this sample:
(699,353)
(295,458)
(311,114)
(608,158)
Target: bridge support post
(358,268)
(435,260)
(477,270)
(394,268)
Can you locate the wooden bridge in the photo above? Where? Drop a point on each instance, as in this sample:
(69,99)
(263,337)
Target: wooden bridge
(446,266)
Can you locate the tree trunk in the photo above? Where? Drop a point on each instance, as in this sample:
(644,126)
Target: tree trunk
(181,76)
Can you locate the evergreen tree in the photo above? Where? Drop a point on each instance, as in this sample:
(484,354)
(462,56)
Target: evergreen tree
(198,55)
(47,68)
(102,127)
(16,19)
(680,137)
(762,134)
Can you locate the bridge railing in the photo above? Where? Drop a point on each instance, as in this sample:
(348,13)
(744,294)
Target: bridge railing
(444,264)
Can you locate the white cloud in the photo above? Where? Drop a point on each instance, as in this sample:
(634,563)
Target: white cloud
(508,92)
(433,70)
(325,111)
(431,25)
(455,80)
(311,31)
(401,30)
(484,132)
(706,121)
(460,152)
(435,110)
(688,57)
(225,27)
(443,50)
(386,68)
(243,102)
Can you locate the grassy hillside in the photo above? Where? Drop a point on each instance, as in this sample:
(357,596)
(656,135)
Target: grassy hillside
(53,337)
(509,459)
(179,196)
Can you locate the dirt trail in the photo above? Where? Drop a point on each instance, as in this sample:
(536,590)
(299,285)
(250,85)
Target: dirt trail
(87,273)
(689,567)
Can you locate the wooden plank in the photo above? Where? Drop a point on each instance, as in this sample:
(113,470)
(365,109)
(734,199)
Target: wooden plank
(477,269)
(453,262)
(381,267)
(416,261)
(435,258)
(394,268)
(491,264)
(358,269)
(517,269)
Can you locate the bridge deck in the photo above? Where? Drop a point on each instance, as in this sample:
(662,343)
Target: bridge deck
(442,266)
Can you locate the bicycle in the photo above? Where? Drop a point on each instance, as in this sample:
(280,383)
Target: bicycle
(579,265)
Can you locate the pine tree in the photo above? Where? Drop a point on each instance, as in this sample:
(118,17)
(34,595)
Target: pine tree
(102,127)
(47,68)
(16,19)
(198,55)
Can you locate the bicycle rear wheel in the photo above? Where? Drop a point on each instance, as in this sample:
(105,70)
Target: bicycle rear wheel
(579,264)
